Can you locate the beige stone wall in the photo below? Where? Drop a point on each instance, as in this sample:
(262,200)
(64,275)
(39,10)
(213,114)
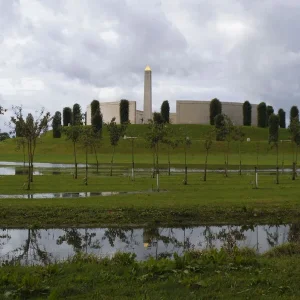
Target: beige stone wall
(192,112)
(197,112)
(110,110)
(139,117)
(173,118)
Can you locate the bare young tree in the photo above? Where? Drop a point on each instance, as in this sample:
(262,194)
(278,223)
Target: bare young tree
(294,129)
(155,135)
(73,134)
(208,140)
(116,131)
(87,140)
(30,129)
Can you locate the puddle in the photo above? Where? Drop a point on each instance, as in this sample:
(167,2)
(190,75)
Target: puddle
(42,246)
(72,195)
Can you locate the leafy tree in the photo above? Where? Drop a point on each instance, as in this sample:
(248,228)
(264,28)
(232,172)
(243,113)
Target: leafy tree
(73,134)
(239,136)
(87,138)
(165,111)
(185,140)
(220,127)
(77,115)
(124,111)
(262,115)
(155,136)
(294,130)
(208,140)
(225,131)
(270,111)
(4,136)
(157,118)
(171,142)
(97,124)
(273,138)
(247,113)
(294,113)
(115,133)
(281,114)
(215,109)
(31,129)
(21,143)
(67,116)
(56,125)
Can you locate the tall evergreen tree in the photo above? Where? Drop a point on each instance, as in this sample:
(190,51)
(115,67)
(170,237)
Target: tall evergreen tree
(273,128)
(294,113)
(270,111)
(124,111)
(262,115)
(77,115)
(215,109)
(281,115)
(165,111)
(56,125)
(247,113)
(67,116)
(95,106)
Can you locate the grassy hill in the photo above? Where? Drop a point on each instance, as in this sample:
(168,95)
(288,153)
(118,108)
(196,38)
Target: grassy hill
(60,150)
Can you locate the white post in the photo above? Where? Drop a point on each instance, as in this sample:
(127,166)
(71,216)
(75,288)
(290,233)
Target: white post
(256,179)
(157,181)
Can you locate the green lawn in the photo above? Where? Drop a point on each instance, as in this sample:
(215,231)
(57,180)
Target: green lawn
(220,200)
(225,274)
(61,151)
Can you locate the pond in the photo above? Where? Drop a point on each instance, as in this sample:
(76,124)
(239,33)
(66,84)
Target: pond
(42,246)
(72,195)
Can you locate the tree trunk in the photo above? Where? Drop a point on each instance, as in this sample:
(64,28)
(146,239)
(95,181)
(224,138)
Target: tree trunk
(169,163)
(75,159)
(240,156)
(296,160)
(153,173)
(29,166)
(157,169)
(86,166)
(112,161)
(205,165)
(132,154)
(185,168)
(277,165)
(294,171)
(96,156)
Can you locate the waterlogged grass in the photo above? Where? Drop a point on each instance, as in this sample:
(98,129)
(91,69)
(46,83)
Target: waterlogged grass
(220,200)
(214,274)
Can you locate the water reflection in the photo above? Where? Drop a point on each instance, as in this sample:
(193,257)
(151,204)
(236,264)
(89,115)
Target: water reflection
(72,195)
(32,246)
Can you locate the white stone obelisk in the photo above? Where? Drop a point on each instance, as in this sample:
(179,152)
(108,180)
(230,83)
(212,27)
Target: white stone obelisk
(147,95)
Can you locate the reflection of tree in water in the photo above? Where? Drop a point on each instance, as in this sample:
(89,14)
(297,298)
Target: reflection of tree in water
(112,233)
(294,233)
(167,236)
(79,242)
(31,251)
(272,237)
(231,235)
(4,238)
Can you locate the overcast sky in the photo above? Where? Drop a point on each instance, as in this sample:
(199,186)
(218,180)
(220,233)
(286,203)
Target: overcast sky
(54,53)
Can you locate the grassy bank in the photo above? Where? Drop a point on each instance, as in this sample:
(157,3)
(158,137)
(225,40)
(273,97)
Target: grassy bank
(225,274)
(61,151)
(220,200)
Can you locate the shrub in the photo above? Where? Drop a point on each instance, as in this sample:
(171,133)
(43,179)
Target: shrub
(247,113)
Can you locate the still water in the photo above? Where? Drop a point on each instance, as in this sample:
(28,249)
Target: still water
(42,246)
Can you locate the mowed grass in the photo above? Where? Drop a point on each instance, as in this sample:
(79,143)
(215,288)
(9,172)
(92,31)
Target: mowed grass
(224,274)
(220,200)
(61,151)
